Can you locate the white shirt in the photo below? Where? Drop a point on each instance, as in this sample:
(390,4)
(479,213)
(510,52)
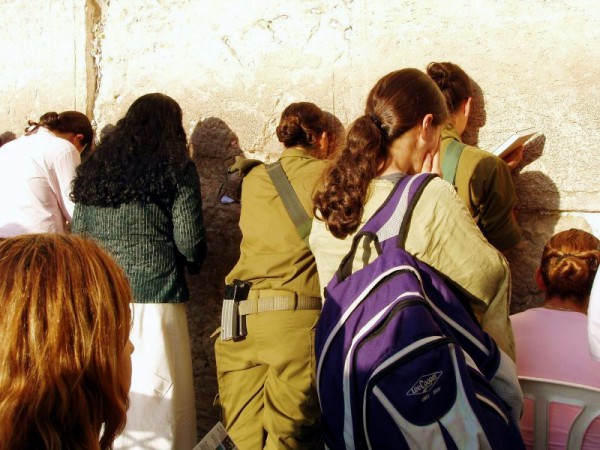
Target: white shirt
(594,319)
(35,182)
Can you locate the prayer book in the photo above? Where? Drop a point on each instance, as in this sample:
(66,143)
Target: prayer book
(514,141)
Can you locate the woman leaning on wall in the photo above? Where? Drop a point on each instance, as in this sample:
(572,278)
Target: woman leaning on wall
(36,171)
(399,134)
(266,380)
(481,179)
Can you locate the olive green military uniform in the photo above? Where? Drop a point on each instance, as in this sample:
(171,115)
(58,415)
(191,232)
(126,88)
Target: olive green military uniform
(484,183)
(266,381)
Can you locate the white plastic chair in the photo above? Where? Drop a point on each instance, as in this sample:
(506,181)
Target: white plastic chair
(543,392)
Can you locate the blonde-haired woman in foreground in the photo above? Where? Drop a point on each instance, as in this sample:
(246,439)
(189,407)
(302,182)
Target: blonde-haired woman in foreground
(65,358)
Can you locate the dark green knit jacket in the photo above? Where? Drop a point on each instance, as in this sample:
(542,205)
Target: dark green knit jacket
(153,244)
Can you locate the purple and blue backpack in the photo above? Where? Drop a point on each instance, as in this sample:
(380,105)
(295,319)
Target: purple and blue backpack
(402,363)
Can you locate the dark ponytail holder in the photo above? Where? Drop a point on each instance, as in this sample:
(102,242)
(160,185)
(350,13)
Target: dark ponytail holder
(375,120)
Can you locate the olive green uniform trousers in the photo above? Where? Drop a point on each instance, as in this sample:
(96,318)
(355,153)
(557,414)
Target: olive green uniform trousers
(268,398)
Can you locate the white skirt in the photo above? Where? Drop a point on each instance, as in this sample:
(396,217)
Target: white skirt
(162,403)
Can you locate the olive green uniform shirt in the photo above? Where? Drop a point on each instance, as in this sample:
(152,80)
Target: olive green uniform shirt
(442,234)
(272,255)
(485,184)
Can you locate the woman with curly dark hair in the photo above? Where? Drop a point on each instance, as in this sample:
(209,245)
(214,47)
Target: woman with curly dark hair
(138,195)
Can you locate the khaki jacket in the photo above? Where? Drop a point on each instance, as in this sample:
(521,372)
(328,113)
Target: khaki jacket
(485,184)
(442,234)
(272,255)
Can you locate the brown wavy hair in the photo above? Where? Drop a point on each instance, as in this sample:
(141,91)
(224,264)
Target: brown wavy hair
(64,326)
(454,83)
(398,102)
(569,264)
(303,123)
(65,122)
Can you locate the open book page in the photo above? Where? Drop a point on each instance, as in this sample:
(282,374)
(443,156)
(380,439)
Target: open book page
(514,141)
(216,439)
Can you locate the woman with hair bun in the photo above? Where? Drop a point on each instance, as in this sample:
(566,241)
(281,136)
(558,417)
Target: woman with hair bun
(266,381)
(36,172)
(65,358)
(482,179)
(399,134)
(139,197)
(552,339)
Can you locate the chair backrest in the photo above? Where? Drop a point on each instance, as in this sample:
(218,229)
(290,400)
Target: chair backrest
(543,392)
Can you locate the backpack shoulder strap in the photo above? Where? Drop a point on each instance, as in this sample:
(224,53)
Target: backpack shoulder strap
(389,225)
(393,216)
(290,199)
(451,158)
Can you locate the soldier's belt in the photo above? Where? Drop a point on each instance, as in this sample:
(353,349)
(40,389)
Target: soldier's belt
(263,301)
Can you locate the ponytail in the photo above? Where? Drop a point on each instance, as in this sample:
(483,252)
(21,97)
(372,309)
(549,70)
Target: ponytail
(340,202)
(396,104)
(50,120)
(65,122)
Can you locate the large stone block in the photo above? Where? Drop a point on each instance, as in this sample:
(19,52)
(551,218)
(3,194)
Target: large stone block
(46,61)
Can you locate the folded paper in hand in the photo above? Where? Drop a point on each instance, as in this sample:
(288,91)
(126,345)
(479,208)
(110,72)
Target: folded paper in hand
(216,439)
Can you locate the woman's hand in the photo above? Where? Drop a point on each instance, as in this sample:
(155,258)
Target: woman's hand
(431,164)
(514,158)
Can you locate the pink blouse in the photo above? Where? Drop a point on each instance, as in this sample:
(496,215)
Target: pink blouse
(553,344)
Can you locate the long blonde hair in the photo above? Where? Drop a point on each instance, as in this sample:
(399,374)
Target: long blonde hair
(64,326)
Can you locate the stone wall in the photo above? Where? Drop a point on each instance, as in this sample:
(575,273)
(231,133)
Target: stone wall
(233,66)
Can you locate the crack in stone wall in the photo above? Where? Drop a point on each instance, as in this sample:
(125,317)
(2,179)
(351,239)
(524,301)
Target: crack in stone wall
(94,34)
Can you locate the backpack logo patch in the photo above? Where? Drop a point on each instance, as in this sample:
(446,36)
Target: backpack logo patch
(425,383)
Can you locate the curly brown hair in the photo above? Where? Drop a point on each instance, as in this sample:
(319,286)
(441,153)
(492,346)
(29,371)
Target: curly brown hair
(398,102)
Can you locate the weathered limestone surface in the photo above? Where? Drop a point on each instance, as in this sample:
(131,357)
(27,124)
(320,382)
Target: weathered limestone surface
(45,60)
(233,66)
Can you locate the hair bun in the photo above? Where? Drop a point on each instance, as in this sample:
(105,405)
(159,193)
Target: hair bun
(439,73)
(569,264)
(570,273)
(302,124)
(289,130)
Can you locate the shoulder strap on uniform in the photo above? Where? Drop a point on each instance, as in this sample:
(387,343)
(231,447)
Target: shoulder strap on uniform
(290,199)
(451,158)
